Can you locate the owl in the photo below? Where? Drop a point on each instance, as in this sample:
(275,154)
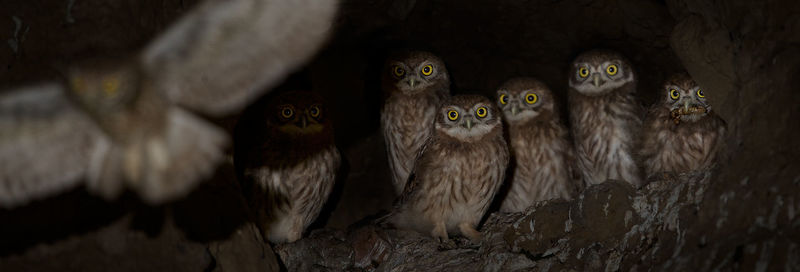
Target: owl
(129,121)
(604,117)
(681,133)
(538,143)
(287,161)
(414,84)
(458,171)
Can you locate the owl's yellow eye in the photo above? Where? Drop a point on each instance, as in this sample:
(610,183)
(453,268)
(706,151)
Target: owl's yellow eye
(700,93)
(531,98)
(583,72)
(481,112)
(452,115)
(110,86)
(287,112)
(398,71)
(674,94)
(612,70)
(503,99)
(314,111)
(427,70)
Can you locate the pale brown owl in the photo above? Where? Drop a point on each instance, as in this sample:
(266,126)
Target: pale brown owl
(128,121)
(458,172)
(414,84)
(604,116)
(681,132)
(538,143)
(287,159)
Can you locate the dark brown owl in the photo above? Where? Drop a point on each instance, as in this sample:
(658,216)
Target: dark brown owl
(123,122)
(604,116)
(458,172)
(287,160)
(538,142)
(414,84)
(681,132)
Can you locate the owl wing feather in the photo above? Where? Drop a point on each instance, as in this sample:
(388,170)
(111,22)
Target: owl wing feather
(224,54)
(412,184)
(46,144)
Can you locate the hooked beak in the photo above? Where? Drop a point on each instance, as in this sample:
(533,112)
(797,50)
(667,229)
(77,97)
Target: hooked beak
(412,82)
(514,110)
(596,79)
(303,122)
(469,124)
(686,106)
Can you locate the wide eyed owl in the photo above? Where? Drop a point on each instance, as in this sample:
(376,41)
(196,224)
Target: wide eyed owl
(458,171)
(604,116)
(681,132)
(122,121)
(414,84)
(538,143)
(287,159)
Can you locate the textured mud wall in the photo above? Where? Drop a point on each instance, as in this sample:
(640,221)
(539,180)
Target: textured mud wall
(743,217)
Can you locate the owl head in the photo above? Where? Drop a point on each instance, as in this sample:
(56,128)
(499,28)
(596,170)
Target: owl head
(468,118)
(685,99)
(414,72)
(297,114)
(524,99)
(598,72)
(103,86)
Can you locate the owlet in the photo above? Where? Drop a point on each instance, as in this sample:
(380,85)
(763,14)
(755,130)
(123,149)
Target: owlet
(414,84)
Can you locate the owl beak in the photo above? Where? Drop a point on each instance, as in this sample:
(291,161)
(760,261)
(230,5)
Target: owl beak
(468,124)
(412,82)
(596,79)
(303,122)
(686,106)
(514,110)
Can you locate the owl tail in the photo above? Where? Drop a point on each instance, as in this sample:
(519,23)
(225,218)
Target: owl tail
(171,165)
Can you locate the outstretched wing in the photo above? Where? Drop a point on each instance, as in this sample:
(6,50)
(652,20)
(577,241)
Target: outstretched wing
(45,144)
(224,54)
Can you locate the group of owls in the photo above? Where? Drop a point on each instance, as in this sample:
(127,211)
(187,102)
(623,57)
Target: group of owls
(449,155)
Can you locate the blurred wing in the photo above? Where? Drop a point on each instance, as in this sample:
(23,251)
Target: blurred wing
(45,144)
(223,54)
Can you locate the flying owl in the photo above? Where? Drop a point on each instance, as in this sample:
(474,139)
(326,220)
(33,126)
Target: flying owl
(128,122)
(538,142)
(287,160)
(458,171)
(681,133)
(414,84)
(604,117)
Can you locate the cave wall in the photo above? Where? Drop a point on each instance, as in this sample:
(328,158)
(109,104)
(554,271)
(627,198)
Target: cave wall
(744,53)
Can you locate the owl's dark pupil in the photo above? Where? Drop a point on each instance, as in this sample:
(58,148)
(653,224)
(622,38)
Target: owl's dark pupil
(505,99)
(426,69)
(453,114)
(481,111)
(530,98)
(611,69)
(287,112)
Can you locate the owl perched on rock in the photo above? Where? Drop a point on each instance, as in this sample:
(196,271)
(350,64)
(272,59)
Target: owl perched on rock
(681,133)
(414,84)
(538,142)
(287,160)
(604,117)
(129,122)
(458,171)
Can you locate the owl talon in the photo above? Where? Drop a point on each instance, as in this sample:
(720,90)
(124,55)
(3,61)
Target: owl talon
(470,232)
(440,232)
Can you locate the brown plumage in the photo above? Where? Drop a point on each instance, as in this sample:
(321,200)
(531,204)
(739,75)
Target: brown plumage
(414,84)
(604,117)
(681,132)
(130,121)
(458,171)
(538,142)
(287,161)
